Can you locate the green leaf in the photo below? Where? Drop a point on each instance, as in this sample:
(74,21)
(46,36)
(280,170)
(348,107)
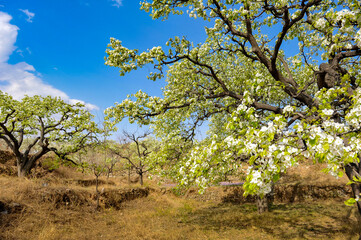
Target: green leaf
(350,202)
(313,142)
(350,182)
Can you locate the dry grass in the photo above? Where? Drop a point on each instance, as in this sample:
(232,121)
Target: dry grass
(60,205)
(309,173)
(163,216)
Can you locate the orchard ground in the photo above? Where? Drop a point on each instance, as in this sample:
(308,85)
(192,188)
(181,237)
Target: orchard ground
(60,205)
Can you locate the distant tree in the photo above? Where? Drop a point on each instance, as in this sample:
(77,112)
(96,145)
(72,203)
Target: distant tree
(80,160)
(111,162)
(35,126)
(95,164)
(136,150)
(108,159)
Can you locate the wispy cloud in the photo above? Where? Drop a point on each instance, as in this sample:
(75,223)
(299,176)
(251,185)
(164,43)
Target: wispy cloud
(117,3)
(29,14)
(20,52)
(22,79)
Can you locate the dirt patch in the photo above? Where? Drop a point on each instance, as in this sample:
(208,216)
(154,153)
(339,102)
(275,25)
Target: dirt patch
(6,156)
(90,182)
(7,163)
(234,194)
(288,193)
(8,170)
(10,212)
(65,197)
(73,198)
(11,207)
(300,192)
(115,198)
(283,193)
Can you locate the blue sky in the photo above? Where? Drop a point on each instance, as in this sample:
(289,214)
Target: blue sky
(58,48)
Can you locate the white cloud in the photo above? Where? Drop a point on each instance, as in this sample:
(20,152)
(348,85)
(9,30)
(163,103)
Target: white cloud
(29,14)
(117,3)
(8,35)
(21,79)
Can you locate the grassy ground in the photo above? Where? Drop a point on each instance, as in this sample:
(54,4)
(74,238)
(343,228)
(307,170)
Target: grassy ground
(163,216)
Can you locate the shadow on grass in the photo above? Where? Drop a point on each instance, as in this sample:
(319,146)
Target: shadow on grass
(284,221)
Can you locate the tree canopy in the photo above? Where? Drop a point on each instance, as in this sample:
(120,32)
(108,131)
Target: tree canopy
(277,80)
(37,125)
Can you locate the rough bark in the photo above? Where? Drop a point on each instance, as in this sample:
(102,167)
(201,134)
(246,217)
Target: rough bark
(141,178)
(129,170)
(353,170)
(97,207)
(262,204)
(24,165)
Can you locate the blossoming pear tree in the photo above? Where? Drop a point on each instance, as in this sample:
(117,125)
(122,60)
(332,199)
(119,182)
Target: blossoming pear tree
(276,80)
(35,126)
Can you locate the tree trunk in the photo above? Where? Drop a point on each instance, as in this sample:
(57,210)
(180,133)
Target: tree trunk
(352,170)
(24,166)
(97,192)
(129,168)
(264,204)
(21,172)
(141,178)
(359,214)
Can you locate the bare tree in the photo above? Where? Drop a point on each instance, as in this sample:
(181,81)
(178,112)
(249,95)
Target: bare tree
(135,150)
(97,168)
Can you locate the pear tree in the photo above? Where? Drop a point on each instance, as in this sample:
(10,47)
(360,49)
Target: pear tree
(36,125)
(277,81)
